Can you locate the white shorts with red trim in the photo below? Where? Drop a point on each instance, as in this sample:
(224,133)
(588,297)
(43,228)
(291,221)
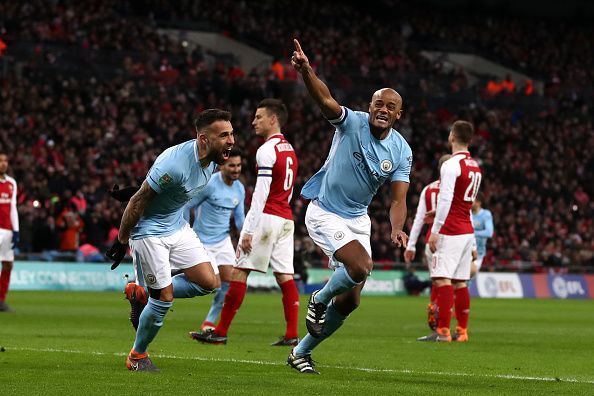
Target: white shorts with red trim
(453,257)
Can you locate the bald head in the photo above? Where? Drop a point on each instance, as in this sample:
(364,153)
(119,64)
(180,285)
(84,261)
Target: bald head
(385,108)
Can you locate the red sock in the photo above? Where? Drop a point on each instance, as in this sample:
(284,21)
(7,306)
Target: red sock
(291,307)
(233,300)
(433,294)
(445,301)
(462,306)
(4,282)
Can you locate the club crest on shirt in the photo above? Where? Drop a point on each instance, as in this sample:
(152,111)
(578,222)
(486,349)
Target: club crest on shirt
(386,165)
(151,279)
(339,235)
(235,201)
(165,180)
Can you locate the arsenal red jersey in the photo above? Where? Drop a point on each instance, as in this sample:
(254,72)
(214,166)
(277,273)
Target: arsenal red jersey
(460,181)
(430,198)
(8,191)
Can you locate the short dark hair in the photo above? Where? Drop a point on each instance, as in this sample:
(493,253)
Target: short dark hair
(209,116)
(463,131)
(480,197)
(234,153)
(443,159)
(277,107)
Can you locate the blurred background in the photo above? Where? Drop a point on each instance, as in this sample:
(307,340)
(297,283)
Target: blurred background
(91,92)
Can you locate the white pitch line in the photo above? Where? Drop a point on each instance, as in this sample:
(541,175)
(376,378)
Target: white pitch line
(364,369)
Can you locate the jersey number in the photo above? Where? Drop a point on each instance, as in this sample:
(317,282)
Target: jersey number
(288,175)
(472,190)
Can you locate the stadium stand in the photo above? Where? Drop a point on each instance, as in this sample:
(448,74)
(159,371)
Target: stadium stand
(89,99)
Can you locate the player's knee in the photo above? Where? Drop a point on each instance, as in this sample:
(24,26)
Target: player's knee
(361,270)
(165,294)
(210,282)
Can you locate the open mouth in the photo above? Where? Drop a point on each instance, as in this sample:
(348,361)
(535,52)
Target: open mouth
(226,154)
(382,118)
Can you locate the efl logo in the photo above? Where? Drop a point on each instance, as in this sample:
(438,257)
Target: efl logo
(567,288)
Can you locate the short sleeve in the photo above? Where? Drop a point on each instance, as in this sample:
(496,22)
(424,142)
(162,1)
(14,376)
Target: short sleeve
(402,172)
(162,176)
(347,122)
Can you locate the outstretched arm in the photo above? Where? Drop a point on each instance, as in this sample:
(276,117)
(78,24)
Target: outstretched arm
(134,211)
(316,87)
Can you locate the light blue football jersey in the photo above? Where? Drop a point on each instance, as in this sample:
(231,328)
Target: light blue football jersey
(357,165)
(483,230)
(177,177)
(213,208)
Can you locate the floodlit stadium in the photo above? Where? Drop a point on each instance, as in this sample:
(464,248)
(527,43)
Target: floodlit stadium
(233,196)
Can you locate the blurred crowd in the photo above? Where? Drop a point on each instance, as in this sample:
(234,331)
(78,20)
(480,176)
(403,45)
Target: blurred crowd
(71,137)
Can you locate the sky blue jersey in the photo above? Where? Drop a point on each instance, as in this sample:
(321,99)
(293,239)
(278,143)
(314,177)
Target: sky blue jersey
(176,176)
(213,208)
(483,230)
(357,165)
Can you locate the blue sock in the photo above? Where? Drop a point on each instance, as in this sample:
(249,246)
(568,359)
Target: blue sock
(184,288)
(339,282)
(334,320)
(150,322)
(217,303)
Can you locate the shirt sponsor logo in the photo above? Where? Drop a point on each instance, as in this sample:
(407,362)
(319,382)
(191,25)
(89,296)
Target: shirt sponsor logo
(165,180)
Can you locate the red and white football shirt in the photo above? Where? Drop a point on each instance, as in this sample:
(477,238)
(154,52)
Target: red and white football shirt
(460,179)
(427,203)
(9,219)
(277,167)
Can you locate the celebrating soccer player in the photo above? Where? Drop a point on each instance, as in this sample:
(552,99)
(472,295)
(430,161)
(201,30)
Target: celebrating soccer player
(427,204)
(366,151)
(9,228)
(452,235)
(210,215)
(159,236)
(267,235)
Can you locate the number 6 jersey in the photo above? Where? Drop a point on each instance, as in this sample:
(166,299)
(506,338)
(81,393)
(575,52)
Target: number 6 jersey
(277,169)
(460,179)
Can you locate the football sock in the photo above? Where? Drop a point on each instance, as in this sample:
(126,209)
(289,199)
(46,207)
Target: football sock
(462,303)
(150,322)
(334,320)
(4,282)
(184,288)
(217,303)
(339,282)
(291,307)
(233,300)
(433,293)
(445,302)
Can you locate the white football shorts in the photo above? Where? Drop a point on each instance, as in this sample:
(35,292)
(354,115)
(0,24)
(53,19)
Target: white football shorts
(272,244)
(221,253)
(453,257)
(155,257)
(6,251)
(331,232)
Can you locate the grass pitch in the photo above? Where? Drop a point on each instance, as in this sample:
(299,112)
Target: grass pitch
(66,342)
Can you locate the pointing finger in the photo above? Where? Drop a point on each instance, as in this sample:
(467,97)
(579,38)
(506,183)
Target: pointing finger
(297,46)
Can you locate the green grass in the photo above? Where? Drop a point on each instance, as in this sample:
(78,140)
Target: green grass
(60,342)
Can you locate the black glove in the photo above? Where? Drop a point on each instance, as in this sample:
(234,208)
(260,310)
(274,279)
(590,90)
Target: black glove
(116,253)
(124,194)
(16,237)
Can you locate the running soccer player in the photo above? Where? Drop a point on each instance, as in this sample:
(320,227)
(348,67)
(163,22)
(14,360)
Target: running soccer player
(482,220)
(9,229)
(210,215)
(427,203)
(267,234)
(366,152)
(159,236)
(452,235)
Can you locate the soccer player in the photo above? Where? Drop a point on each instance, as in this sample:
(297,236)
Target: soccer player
(210,215)
(482,220)
(427,203)
(452,234)
(366,152)
(9,229)
(267,234)
(160,238)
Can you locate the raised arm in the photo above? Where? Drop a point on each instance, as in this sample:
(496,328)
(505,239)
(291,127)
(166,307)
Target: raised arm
(134,210)
(316,87)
